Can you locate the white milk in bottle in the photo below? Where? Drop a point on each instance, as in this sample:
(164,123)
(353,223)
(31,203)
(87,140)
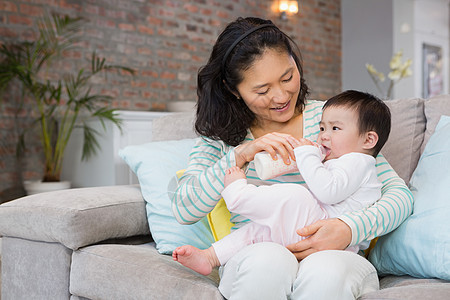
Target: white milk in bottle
(267,168)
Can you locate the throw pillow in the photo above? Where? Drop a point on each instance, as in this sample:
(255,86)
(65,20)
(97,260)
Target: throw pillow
(420,246)
(435,107)
(408,132)
(155,164)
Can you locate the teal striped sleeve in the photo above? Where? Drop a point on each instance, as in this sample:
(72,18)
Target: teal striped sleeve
(395,205)
(200,188)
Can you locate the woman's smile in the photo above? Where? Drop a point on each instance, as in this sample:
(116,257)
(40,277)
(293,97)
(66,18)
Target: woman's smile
(283,107)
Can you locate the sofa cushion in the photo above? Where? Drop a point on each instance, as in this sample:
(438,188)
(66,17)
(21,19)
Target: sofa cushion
(402,150)
(76,217)
(435,107)
(414,292)
(409,288)
(397,281)
(136,272)
(34,270)
(420,246)
(156,164)
(174,127)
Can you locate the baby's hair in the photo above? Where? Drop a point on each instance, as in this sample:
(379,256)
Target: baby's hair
(373,114)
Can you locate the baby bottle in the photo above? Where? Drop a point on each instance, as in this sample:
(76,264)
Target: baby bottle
(267,168)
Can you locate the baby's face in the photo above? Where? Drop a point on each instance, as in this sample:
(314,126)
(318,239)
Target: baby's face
(339,132)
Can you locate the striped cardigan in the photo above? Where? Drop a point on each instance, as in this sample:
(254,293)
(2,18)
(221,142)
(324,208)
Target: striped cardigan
(200,187)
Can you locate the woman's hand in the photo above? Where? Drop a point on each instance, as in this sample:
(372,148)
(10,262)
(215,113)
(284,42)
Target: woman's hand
(298,143)
(329,234)
(273,143)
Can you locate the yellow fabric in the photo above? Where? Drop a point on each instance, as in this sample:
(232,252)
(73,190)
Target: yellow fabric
(218,218)
(372,244)
(180,173)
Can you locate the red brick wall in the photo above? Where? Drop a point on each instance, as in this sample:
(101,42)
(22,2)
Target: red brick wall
(165,42)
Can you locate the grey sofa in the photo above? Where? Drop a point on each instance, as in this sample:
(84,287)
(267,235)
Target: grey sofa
(95,243)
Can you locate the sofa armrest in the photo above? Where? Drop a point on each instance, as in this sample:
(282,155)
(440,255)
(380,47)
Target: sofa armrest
(76,217)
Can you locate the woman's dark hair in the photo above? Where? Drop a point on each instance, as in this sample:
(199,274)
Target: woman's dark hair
(373,114)
(220,114)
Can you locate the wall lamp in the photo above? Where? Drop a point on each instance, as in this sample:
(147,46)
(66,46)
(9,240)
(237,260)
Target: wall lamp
(287,8)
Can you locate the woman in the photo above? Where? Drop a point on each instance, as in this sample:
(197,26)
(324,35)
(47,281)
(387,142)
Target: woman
(252,98)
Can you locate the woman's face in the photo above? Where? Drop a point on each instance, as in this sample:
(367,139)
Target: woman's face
(271,86)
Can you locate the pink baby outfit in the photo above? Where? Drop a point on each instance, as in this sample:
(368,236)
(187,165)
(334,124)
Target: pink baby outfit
(277,211)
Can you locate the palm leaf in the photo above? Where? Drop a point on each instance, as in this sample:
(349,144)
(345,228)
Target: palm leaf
(90,144)
(108,114)
(24,62)
(60,33)
(99,64)
(20,146)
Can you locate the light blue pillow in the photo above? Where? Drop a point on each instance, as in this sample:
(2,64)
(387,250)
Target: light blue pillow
(155,164)
(420,246)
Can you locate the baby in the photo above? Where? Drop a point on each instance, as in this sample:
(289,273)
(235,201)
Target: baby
(353,129)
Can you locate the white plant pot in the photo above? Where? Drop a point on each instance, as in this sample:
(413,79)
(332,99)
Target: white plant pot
(36,187)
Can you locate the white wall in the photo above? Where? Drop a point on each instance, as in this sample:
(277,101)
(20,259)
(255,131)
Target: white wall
(403,35)
(366,38)
(373,30)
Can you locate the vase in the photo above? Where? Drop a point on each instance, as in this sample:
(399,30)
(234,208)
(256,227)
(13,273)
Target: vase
(35,187)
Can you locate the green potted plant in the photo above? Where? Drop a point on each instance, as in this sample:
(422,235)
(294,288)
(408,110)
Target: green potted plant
(63,104)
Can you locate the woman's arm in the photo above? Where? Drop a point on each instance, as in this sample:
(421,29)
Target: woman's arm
(200,187)
(395,205)
(385,215)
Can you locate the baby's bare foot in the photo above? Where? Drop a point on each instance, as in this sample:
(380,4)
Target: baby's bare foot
(201,261)
(233,174)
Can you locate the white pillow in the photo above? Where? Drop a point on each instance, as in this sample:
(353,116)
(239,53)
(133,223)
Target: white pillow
(155,164)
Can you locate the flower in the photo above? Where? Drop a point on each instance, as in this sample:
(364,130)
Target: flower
(399,70)
(374,72)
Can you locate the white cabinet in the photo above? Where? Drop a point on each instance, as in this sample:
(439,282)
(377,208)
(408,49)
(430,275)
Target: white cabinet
(107,168)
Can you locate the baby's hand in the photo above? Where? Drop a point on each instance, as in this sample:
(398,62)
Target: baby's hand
(301,142)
